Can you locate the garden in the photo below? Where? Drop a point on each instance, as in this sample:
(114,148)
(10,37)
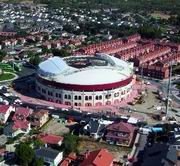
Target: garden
(7,72)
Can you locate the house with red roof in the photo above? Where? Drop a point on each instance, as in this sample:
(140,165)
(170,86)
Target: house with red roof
(5,111)
(69,160)
(120,134)
(100,157)
(50,139)
(19,123)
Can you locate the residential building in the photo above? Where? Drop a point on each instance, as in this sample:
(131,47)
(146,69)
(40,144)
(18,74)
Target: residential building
(50,156)
(5,111)
(50,139)
(19,123)
(120,134)
(95,127)
(39,118)
(100,157)
(71,159)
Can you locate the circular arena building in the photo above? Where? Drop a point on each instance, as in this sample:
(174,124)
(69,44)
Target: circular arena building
(85,80)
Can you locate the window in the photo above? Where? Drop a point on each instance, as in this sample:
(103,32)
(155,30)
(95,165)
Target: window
(116,94)
(65,96)
(90,97)
(69,96)
(59,95)
(56,94)
(99,97)
(86,97)
(44,91)
(75,104)
(79,98)
(50,93)
(108,96)
(75,97)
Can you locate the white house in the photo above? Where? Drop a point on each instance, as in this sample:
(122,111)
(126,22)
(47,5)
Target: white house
(5,111)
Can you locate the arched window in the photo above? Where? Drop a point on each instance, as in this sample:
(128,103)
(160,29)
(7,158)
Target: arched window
(116,94)
(108,103)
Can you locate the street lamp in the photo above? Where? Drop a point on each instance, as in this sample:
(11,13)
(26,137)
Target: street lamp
(168,88)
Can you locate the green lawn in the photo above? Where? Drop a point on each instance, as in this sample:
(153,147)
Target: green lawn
(6,76)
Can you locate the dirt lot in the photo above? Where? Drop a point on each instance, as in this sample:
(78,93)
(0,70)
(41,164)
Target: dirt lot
(117,151)
(158,14)
(149,106)
(56,127)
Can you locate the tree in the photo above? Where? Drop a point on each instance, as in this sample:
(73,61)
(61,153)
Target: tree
(38,162)
(148,31)
(60,53)
(35,60)
(38,143)
(70,143)
(24,153)
(2,55)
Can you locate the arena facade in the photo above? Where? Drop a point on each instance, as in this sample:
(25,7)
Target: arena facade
(85,80)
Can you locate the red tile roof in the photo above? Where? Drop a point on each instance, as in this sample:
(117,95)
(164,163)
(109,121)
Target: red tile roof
(121,126)
(20,125)
(50,139)
(71,157)
(4,108)
(21,113)
(98,158)
(19,118)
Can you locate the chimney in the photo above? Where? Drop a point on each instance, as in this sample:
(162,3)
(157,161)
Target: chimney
(86,154)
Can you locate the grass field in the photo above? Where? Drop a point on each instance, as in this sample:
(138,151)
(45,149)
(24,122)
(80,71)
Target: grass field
(6,76)
(6,68)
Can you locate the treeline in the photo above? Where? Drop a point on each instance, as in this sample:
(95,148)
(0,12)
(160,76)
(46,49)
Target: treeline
(172,6)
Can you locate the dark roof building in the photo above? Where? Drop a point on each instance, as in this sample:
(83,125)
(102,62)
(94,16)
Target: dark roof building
(50,156)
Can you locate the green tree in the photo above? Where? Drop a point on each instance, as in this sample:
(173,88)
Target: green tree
(148,31)
(38,143)
(38,162)
(35,60)
(60,53)
(2,55)
(70,143)
(24,153)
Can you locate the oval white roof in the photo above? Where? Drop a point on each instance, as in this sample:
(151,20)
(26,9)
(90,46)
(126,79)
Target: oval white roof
(57,69)
(93,76)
